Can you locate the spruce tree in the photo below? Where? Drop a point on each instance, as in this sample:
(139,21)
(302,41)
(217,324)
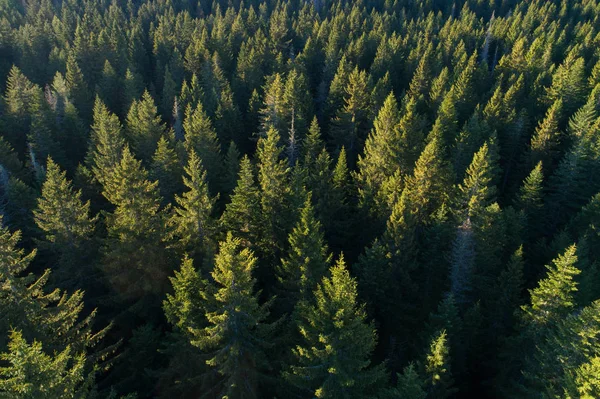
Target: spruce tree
(144,127)
(236,336)
(381,156)
(307,260)
(553,298)
(32,373)
(478,189)
(192,222)
(107,143)
(329,361)
(202,138)
(274,192)
(166,169)
(436,367)
(547,137)
(135,262)
(67,226)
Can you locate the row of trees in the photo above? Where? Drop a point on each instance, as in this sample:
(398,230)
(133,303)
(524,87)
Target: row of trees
(325,199)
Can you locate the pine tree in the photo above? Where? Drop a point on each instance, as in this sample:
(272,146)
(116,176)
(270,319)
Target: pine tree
(409,385)
(412,127)
(79,92)
(478,189)
(192,222)
(54,318)
(530,201)
(144,127)
(568,84)
(439,379)
(135,263)
(381,156)
(185,310)
(352,121)
(166,169)
(65,221)
(553,298)
(231,168)
(334,362)
(31,373)
(547,137)
(237,335)
(109,88)
(20,98)
(242,215)
(274,191)
(107,143)
(429,186)
(307,260)
(202,138)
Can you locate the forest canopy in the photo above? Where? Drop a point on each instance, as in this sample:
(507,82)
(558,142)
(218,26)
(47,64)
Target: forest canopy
(305,199)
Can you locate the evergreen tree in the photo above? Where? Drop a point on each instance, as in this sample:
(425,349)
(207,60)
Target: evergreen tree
(274,191)
(381,156)
(236,335)
(31,373)
(202,138)
(135,262)
(242,215)
(192,222)
(307,260)
(334,362)
(144,127)
(553,298)
(478,190)
(547,137)
(352,121)
(439,379)
(107,143)
(79,91)
(166,169)
(65,221)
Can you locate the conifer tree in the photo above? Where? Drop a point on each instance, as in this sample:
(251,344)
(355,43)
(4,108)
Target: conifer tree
(274,191)
(79,91)
(439,379)
(478,189)
(381,155)
(352,121)
(52,317)
(166,169)
(192,222)
(109,88)
(333,362)
(553,298)
(242,215)
(568,84)
(67,226)
(135,263)
(307,260)
(202,138)
(546,139)
(429,186)
(21,95)
(32,373)
(107,143)
(144,127)
(237,335)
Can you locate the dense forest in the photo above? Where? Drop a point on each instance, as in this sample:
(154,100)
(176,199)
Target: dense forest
(301,199)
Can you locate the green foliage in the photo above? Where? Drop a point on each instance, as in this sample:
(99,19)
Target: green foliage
(67,226)
(34,374)
(333,358)
(307,260)
(192,220)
